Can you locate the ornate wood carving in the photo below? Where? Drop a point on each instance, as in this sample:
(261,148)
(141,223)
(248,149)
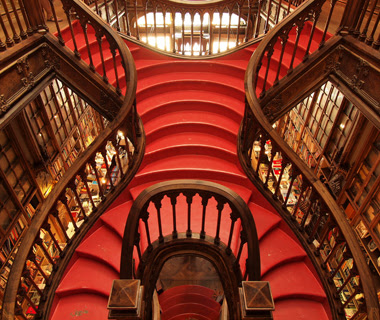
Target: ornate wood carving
(21,76)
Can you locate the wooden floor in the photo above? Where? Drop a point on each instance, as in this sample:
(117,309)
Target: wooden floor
(188,269)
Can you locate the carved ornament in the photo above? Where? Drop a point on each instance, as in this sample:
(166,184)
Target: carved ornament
(51,60)
(273,108)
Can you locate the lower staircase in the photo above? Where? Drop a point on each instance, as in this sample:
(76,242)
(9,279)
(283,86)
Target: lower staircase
(191,111)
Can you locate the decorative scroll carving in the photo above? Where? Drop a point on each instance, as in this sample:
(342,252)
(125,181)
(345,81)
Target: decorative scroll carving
(51,60)
(108,105)
(362,70)
(3,105)
(23,68)
(272,109)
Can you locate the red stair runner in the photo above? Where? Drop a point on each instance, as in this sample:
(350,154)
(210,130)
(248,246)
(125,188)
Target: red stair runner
(191,111)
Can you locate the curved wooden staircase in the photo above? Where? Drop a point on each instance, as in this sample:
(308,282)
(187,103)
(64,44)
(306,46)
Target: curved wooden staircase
(191,111)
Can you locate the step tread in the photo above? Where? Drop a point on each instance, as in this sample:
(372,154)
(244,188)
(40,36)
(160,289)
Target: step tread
(290,309)
(189,297)
(294,280)
(82,306)
(277,248)
(207,292)
(190,307)
(116,218)
(87,275)
(102,245)
(264,219)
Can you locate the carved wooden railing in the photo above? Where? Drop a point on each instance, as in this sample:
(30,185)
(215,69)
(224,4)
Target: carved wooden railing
(365,24)
(14,22)
(164,220)
(304,202)
(74,204)
(193,28)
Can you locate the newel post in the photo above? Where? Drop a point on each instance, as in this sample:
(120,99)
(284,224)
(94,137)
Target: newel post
(256,300)
(126,300)
(35,15)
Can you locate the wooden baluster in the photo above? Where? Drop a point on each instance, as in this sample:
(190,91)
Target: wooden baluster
(233,216)
(317,224)
(29,29)
(22,292)
(183,32)
(294,176)
(277,17)
(243,241)
(107,11)
(248,26)
(238,28)
(201,16)
(363,34)
(220,29)
(346,255)
(332,4)
(356,32)
(144,217)
(38,241)
(189,200)
(26,274)
(146,19)
(55,214)
(284,40)
(3,47)
(119,164)
(73,188)
(192,34)
(16,37)
(47,227)
(299,26)
(55,18)
(67,12)
(137,245)
(113,47)
(219,207)
(308,212)
(258,19)
(23,34)
(269,11)
(158,205)
(136,18)
(97,7)
(273,152)
(155,25)
(83,177)
(205,198)
(164,20)
(288,10)
(307,53)
(302,196)
(370,39)
(269,57)
(126,16)
(99,39)
(229,27)
(262,154)
(63,199)
(108,171)
(339,241)
(173,201)
(83,23)
(211,28)
(32,258)
(116,8)
(283,166)
(173,13)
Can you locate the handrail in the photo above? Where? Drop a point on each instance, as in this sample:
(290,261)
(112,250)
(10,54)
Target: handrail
(73,207)
(179,199)
(193,28)
(304,202)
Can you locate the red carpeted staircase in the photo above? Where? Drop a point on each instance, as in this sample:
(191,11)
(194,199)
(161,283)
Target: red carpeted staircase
(191,110)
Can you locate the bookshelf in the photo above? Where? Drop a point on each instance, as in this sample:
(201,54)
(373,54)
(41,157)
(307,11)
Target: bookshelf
(36,149)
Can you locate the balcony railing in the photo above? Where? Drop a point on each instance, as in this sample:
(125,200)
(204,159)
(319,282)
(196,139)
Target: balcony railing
(226,227)
(304,202)
(88,187)
(193,28)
